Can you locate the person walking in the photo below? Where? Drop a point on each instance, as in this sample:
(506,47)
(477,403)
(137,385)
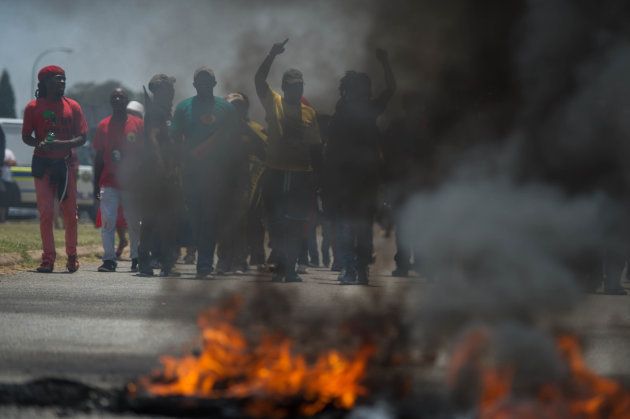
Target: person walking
(293,163)
(117,143)
(55,126)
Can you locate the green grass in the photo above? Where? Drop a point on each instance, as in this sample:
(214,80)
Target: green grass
(23,236)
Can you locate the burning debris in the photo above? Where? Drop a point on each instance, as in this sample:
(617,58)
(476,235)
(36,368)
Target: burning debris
(268,374)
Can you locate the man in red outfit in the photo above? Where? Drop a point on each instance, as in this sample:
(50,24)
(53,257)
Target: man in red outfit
(55,126)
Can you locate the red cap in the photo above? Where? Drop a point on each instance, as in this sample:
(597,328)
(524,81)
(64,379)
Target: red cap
(49,71)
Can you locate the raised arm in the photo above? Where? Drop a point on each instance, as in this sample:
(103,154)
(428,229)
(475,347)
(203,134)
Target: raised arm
(390,81)
(260,79)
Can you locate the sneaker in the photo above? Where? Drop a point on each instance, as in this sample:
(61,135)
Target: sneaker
(293,278)
(336,267)
(134,265)
(145,272)
(107,266)
(46,267)
(400,273)
(169,273)
(302,269)
(277,278)
(72,264)
(347,277)
(203,275)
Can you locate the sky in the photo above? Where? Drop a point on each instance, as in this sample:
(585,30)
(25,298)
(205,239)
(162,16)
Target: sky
(131,40)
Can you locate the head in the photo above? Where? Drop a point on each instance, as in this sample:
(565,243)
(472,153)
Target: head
(355,86)
(51,82)
(163,89)
(240,101)
(119,101)
(293,86)
(204,82)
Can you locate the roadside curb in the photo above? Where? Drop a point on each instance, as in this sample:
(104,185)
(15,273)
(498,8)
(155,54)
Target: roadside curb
(8,259)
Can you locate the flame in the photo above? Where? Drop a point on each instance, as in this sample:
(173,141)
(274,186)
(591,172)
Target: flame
(269,373)
(582,394)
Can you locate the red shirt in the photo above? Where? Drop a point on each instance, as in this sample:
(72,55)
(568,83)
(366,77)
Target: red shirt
(63,117)
(118,141)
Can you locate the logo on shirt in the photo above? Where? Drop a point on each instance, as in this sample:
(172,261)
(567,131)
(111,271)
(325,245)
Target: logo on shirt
(131,137)
(116,156)
(207,119)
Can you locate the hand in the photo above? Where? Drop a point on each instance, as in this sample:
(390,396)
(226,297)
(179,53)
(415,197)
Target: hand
(381,55)
(278,48)
(53,145)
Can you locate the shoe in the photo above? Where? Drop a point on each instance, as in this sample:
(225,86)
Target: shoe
(277,278)
(347,277)
(46,267)
(134,265)
(362,276)
(107,266)
(302,269)
(293,278)
(400,273)
(189,259)
(155,264)
(239,272)
(145,272)
(169,273)
(203,275)
(121,246)
(336,267)
(72,265)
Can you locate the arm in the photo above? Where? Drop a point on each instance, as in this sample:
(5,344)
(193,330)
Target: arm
(98,169)
(390,81)
(260,79)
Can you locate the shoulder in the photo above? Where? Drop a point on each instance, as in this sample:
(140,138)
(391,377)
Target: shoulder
(134,120)
(223,104)
(309,111)
(184,104)
(72,103)
(104,122)
(31,105)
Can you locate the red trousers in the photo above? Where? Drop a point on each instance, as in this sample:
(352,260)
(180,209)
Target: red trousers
(46,196)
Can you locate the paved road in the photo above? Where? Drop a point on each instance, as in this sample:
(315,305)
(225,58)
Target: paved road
(109,328)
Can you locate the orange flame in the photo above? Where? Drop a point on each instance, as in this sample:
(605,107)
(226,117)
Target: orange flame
(227,367)
(582,394)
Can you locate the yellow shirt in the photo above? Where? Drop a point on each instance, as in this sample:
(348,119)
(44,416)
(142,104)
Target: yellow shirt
(292,131)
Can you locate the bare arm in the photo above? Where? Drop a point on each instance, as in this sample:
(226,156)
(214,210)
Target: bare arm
(98,169)
(30,140)
(390,81)
(260,79)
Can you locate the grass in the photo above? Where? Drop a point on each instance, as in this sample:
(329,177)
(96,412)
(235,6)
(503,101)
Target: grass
(21,237)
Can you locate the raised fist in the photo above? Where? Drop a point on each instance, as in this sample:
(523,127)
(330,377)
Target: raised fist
(278,48)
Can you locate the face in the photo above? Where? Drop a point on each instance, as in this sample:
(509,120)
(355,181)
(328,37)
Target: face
(119,101)
(293,92)
(204,84)
(56,85)
(164,95)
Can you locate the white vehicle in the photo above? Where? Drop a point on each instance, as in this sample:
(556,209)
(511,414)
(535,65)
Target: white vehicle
(22,171)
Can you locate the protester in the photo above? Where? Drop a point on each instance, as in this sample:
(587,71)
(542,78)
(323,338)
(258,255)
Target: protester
(293,154)
(354,158)
(117,142)
(159,181)
(410,166)
(243,232)
(59,127)
(205,125)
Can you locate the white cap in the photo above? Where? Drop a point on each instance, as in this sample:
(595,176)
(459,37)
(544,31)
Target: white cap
(135,108)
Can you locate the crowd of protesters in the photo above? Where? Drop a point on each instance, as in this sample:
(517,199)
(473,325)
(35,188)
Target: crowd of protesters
(205,177)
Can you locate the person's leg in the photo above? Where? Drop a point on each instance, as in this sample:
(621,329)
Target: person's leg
(132,216)
(110,199)
(45,194)
(364,232)
(613,266)
(204,225)
(70,212)
(275,202)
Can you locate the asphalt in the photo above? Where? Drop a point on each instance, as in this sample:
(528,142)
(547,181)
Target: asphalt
(108,328)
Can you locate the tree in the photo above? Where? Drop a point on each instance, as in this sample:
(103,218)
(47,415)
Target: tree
(7,97)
